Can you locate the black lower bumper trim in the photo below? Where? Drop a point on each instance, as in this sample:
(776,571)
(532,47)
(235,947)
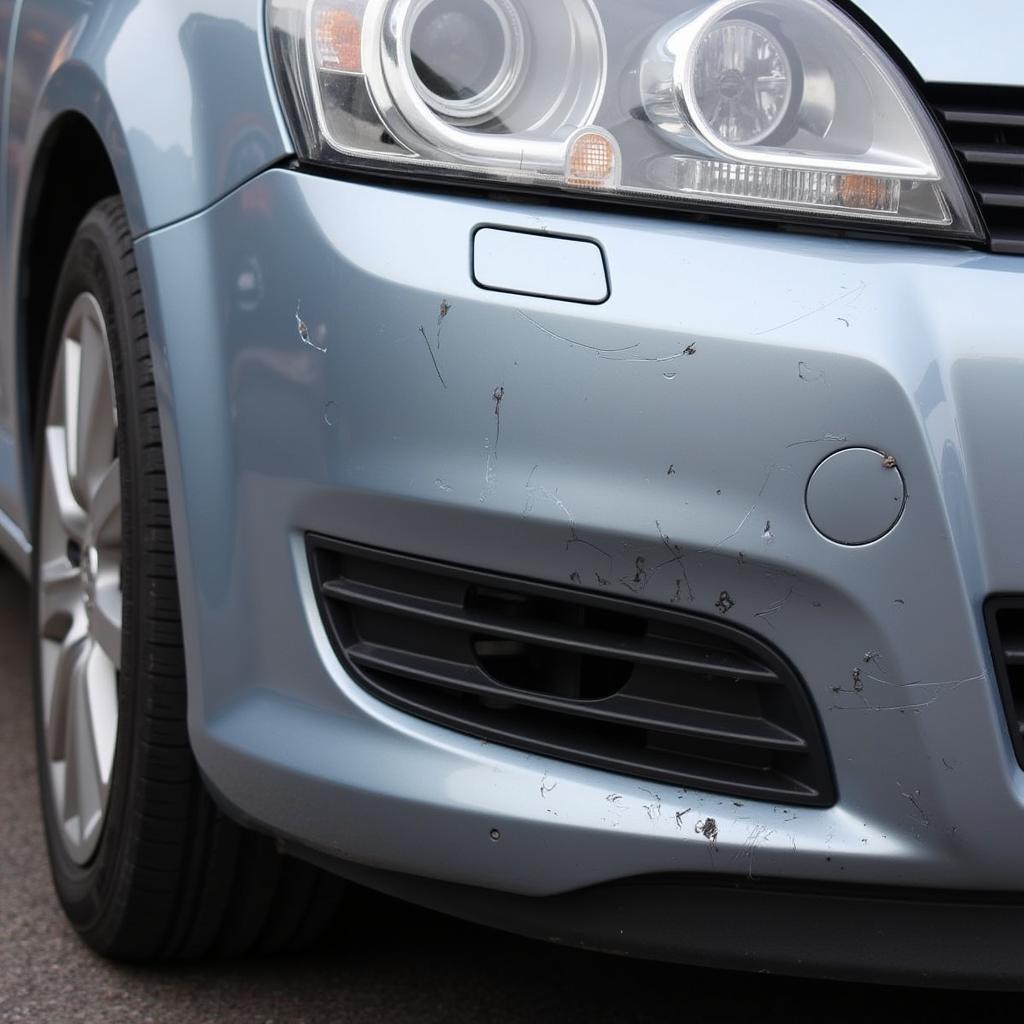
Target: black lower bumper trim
(846,932)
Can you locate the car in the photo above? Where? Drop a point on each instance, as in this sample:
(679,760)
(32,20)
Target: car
(557,462)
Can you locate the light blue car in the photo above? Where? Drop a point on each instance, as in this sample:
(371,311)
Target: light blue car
(560,462)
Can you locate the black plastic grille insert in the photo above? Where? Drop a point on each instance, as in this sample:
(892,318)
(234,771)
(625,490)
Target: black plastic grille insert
(1004,617)
(985,126)
(620,685)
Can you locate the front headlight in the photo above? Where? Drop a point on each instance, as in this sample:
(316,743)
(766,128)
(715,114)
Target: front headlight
(780,106)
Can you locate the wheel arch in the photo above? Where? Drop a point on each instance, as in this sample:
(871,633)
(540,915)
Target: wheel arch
(71,172)
(169,128)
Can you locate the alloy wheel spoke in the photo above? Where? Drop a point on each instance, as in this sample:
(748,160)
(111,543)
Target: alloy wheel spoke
(105,617)
(60,597)
(84,790)
(70,372)
(96,430)
(67,660)
(105,507)
(70,754)
(101,704)
(69,511)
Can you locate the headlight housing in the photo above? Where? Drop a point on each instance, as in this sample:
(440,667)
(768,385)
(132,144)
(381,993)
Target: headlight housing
(783,108)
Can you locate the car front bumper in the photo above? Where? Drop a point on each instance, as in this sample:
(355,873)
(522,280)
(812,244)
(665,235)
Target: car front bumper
(299,393)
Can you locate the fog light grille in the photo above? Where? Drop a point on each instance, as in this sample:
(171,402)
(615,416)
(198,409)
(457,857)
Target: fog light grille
(1005,619)
(632,688)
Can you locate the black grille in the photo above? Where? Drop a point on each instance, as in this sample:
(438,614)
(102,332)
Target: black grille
(986,128)
(1005,619)
(632,688)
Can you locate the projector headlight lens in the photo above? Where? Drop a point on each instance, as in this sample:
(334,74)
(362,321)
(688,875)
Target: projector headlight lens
(467,55)
(743,81)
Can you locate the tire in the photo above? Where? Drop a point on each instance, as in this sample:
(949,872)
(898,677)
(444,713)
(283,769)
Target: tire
(160,873)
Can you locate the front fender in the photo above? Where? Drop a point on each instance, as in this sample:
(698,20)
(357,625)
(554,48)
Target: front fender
(183,102)
(182,98)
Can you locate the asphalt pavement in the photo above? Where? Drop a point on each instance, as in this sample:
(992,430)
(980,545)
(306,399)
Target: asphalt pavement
(387,964)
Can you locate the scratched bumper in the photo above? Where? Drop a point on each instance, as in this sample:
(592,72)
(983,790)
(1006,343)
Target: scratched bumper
(346,427)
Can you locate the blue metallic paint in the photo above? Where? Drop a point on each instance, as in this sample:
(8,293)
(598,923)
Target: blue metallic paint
(950,41)
(913,350)
(579,483)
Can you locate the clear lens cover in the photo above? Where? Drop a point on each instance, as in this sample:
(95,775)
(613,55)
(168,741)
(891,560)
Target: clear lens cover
(781,106)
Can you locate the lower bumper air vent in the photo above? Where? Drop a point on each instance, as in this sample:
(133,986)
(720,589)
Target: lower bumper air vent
(1004,617)
(619,685)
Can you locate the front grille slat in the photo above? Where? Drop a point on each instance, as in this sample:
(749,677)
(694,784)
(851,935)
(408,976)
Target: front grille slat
(623,710)
(569,638)
(620,685)
(1005,198)
(549,739)
(984,117)
(995,156)
(1013,652)
(1004,617)
(985,126)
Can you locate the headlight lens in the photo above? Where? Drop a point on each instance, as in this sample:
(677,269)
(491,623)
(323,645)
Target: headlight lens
(467,55)
(773,106)
(743,82)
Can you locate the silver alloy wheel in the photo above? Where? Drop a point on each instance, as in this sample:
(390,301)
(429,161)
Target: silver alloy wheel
(80,579)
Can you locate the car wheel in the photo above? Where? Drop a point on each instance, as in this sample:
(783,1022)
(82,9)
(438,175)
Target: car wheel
(144,863)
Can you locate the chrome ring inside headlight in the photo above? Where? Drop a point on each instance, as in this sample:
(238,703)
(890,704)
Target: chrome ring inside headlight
(468,55)
(743,81)
(518,110)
